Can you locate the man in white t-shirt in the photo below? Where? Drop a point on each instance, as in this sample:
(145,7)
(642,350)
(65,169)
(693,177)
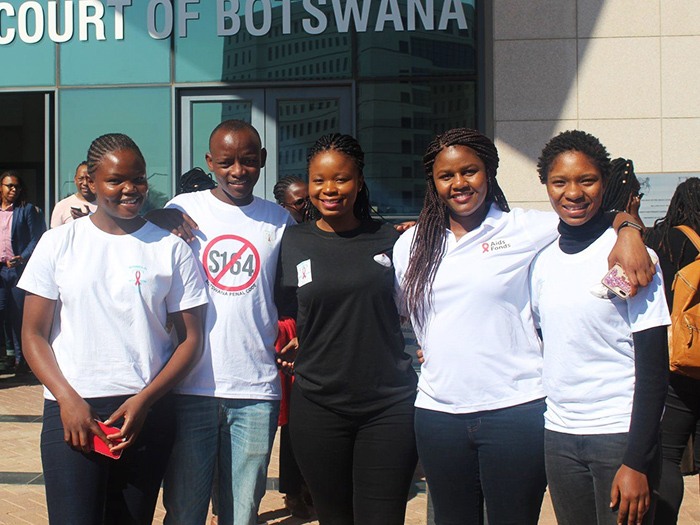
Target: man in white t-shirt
(228,405)
(80,204)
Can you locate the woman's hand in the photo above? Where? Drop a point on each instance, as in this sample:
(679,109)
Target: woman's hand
(134,411)
(79,424)
(630,490)
(175,221)
(629,251)
(286,356)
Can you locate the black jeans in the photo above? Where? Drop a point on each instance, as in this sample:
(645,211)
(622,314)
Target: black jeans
(581,470)
(499,452)
(681,420)
(91,489)
(11,308)
(358,468)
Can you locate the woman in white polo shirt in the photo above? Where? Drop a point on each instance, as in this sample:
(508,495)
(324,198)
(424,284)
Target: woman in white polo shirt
(463,272)
(605,358)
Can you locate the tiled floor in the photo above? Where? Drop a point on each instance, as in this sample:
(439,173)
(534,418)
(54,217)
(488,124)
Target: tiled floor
(22,491)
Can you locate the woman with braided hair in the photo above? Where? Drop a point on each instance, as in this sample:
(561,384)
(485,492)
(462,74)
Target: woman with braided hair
(99,290)
(622,189)
(682,412)
(463,275)
(351,417)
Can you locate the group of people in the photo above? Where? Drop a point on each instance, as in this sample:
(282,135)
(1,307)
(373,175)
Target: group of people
(532,373)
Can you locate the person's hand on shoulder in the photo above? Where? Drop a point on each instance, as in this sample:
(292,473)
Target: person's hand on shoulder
(175,221)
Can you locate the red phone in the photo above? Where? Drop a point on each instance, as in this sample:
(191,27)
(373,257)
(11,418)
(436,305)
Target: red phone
(99,446)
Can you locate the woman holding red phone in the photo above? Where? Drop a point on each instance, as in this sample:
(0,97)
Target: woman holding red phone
(98,293)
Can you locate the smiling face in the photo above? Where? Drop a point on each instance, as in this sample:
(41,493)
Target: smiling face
(120,184)
(9,191)
(461,182)
(334,183)
(575,187)
(81,183)
(236,158)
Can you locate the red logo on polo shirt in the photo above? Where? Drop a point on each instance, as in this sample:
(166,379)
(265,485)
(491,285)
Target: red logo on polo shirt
(494,246)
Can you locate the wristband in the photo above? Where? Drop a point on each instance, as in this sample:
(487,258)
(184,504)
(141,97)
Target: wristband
(632,225)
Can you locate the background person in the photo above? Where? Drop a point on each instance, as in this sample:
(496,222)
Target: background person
(622,189)
(81,203)
(682,412)
(21,226)
(100,290)
(292,194)
(351,419)
(463,274)
(605,358)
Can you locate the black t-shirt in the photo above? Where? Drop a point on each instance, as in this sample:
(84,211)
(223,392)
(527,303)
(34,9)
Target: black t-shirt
(683,252)
(351,349)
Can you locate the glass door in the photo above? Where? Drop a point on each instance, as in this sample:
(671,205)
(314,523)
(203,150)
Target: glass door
(289,121)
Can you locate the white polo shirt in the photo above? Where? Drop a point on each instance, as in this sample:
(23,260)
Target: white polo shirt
(589,364)
(480,345)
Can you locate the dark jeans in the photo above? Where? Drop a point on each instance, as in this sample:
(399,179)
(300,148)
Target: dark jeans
(291,479)
(91,489)
(11,307)
(358,468)
(581,470)
(499,452)
(681,420)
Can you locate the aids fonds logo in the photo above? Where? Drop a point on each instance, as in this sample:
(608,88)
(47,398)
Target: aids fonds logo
(495,246)
(232,264)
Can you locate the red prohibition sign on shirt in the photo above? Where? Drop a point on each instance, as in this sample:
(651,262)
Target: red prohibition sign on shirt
(231,262)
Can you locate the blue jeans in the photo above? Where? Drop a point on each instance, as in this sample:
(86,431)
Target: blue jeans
(497,453)
(236,435)
(581,470)
(85,489)
(12,307)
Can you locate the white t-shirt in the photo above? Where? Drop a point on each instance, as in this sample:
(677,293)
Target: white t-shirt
(237,248)
(61,212)
(480,345)
(113,294)
(589,368)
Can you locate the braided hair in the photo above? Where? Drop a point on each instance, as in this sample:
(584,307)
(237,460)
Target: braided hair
(428,246)
(574,140)
(22,191)
(621,185)
(683,210)
(348,146)
(106,144)
(283,185)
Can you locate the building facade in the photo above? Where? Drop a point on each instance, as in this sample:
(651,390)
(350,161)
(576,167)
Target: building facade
(392,72)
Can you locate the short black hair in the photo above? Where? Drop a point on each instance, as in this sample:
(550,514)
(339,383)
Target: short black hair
(233,126)
(574,140)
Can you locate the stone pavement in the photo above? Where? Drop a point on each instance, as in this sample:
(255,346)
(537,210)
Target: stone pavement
(22,491)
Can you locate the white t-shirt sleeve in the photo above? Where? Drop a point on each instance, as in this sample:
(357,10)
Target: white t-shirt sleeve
(535,285)
(540,226)
(39,277)
(649,309)
(400,255)
(187,289)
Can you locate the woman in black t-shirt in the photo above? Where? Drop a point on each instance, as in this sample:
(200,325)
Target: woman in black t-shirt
(682,413)
(351,419)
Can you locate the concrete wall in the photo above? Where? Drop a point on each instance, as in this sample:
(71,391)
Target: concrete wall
(627,71)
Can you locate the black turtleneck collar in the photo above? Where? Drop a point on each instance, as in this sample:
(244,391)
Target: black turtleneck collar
(574,239)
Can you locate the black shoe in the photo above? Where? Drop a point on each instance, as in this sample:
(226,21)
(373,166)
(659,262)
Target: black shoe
(22,369)
(296,505)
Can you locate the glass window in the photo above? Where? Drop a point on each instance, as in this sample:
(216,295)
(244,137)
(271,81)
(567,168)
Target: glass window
(142,113)
(393,145)
(137,58)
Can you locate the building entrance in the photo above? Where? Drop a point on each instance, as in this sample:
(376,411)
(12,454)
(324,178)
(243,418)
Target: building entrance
(289,121)
(25,143)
